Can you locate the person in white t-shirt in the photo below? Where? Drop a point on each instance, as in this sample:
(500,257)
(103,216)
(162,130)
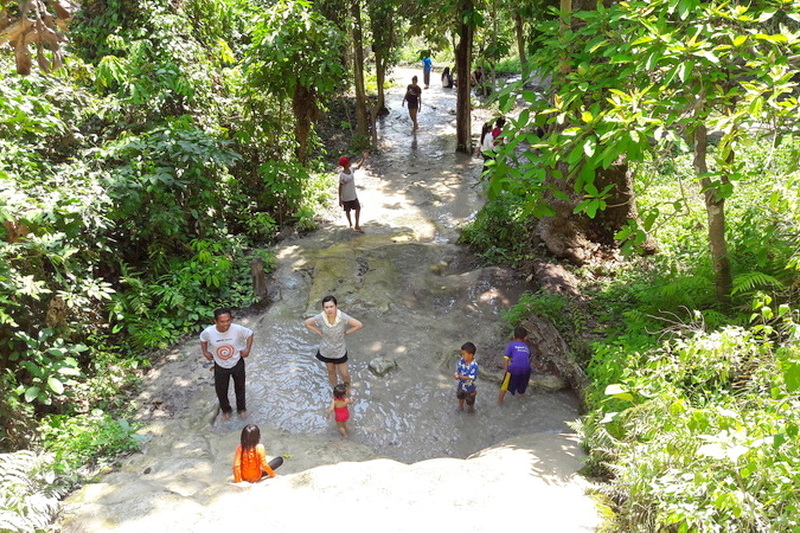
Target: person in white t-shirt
(348,198)
(227,345)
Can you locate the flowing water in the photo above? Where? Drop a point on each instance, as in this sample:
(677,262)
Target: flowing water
(419,296)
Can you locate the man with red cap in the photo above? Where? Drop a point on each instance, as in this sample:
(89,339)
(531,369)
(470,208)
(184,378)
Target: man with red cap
(348,198)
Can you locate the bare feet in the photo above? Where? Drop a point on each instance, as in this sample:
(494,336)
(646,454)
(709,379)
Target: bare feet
(243,415)
(358,229)
(226,416)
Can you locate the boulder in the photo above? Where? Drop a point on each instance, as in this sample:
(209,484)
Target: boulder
(382,365)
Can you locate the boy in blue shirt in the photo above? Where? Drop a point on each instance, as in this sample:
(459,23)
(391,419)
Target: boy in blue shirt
(516,365)
(466,374)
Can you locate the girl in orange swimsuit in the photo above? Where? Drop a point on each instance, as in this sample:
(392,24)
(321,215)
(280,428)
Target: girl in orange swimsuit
(339,408)
(250,462)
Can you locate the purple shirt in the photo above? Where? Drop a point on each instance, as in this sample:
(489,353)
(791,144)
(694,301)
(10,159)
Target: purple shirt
(519,355)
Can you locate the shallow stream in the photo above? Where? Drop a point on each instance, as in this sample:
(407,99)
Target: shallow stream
(418,294)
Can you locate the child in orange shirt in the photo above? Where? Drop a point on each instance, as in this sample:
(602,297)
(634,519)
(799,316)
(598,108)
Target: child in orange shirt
(339,408)
(250,462)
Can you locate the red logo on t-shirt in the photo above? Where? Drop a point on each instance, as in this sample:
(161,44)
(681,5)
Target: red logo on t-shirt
(225,352)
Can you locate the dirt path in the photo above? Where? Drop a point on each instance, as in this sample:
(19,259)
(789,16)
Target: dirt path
(410,462)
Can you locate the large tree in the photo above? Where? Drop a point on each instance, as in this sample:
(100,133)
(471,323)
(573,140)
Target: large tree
(638,72)
(296,54)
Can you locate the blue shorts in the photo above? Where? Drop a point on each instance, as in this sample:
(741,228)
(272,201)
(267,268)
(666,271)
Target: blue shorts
(516,382)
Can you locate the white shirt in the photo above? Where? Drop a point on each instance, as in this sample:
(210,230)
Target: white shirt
(226,347)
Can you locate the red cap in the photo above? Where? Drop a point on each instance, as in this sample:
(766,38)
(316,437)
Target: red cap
(344,161)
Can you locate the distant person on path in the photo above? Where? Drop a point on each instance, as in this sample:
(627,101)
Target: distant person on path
(498,130)
(339,408)
(516,365)
(486,145)
(250,461)
(414,98)
(227,345)
(332,326)
(447,78)
(427,65)
(348,198)
(466,374)
(477,76)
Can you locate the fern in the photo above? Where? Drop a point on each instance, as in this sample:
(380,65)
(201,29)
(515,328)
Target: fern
(750,281)
(30,491)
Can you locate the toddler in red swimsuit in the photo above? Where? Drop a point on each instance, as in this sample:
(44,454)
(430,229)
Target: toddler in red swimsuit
(341,413)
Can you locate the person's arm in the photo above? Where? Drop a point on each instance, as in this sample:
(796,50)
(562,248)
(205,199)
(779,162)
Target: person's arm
(403,103)
(354,324)
(312,325)
(340,192)
(206,353)
(237,465)
(505,364)
(248,346)
(363,158)
(419,100)
(330,409)
(262,454)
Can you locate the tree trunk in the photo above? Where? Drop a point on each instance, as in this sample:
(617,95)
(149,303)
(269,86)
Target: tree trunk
(463,65)
(715,209)
(305,112)
(576,237)
(362,121)
(380,74)
(519,25)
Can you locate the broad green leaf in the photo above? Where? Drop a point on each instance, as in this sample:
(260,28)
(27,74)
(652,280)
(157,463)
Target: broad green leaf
(31,394)
(617,391)
(55,385)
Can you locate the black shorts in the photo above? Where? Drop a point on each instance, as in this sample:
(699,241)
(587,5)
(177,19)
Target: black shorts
(338,361)
(516,382)
(351,204)
(468,396)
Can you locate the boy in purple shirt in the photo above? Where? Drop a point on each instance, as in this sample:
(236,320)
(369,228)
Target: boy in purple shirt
(516,365)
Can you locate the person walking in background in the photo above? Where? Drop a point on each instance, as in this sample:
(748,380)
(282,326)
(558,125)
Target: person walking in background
(486,145)
(331,325)
(250,460)
(339,408)
(447,78)
(348,198)
(414,98)
(427,65)
(466,374)
(498,130)
(516,365)
(227,345)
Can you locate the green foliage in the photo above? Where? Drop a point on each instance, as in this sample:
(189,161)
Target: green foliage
(30,491)
(80,440)
(499,233)
(51,366)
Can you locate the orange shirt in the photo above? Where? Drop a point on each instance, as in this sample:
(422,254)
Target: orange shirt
(250,465)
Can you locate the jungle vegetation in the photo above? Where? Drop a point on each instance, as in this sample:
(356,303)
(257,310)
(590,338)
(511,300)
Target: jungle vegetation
(150,153)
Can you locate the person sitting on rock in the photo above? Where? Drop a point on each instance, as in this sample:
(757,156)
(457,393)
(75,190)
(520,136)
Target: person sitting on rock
(250,461)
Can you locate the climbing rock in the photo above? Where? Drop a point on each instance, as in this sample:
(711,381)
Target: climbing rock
(382,365)
(548,382)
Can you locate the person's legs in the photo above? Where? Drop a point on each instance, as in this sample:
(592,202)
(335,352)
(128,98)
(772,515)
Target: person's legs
(504,387)
(470,399)
(413,114)
(331,368)
(347,213)
(221,381)
(426,76)
(238,374)
(358,214)
(341,369)
(342,428)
